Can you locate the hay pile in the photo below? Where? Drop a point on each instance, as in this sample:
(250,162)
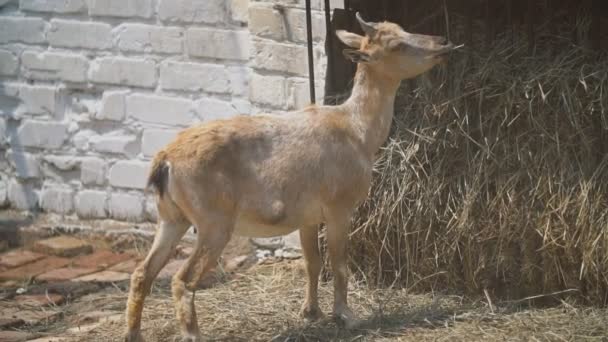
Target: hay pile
(495,177)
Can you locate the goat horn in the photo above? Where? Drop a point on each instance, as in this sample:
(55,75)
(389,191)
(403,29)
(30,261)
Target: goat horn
(368,28)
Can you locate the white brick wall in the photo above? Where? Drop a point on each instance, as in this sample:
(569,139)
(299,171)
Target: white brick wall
(123,71)
(64,7)
(54,66)
(90,90)
(79,34)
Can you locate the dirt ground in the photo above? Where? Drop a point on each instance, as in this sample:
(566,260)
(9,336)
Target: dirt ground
(261,301)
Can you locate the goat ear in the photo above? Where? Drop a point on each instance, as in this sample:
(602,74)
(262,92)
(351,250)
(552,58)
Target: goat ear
(357,56)
(351,39)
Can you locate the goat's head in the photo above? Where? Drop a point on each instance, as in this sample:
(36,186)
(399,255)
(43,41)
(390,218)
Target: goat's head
(393,51)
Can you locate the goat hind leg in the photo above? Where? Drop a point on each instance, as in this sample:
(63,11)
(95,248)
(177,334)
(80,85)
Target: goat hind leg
(212,237)
(165,241)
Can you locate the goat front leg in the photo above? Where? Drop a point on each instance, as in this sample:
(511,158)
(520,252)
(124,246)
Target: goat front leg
(309,238)
(212,237)
(337,241)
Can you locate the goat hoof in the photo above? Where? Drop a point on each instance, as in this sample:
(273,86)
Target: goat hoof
(346,320)
(313,314)
(134,336)
(190,339)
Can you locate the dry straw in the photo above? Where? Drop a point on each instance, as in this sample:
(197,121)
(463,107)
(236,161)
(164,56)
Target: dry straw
(495,177)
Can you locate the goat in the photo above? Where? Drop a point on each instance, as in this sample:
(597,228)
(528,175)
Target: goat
(268,175)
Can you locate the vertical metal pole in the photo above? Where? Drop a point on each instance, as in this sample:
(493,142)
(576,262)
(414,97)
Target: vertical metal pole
(311,66)
(330,47)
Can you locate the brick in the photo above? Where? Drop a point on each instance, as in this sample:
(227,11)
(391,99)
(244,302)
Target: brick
(54,66)
(91,204)
(299,93)
(234,263)
(65,274)
(64,163)
(194,77)
(102,259)
(239,11)
(268,90)
(18,257)
(121,8)
(22,196)
(57,200)
(150,38)
(171,268)
(242,106)
(3,131)
(239,80)
(66,246)
(9,322)
(39,299)
(20,29)
(30,317)
(80,34)
(123,71)
(112,106)
(281,57)
(151,210)
(54,6)
(155,139)
(93,171)
(221,44)
(26,165)
(3,194)
(81,139)
(50,135)
(160,110)
(212,109)
(16,336)
(266,22)
(35,268)
(9,63)
(126,207)
(126,266)
(104,277)
(129,174)
(192,11)
(37,99)
(120,144)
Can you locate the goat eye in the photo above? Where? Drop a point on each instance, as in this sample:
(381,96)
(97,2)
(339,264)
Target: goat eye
(396,45)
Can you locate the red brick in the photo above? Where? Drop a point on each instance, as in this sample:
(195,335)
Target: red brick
(66,246)
(171,268)
(65,273)
(18,257)
(234,263)
(29,316)
(102,259)
(8,322)
(104,277)
(40,300)
(33,269)
(125,266)
(15,336)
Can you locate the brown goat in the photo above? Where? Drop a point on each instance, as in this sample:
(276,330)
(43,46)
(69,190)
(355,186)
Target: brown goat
(268,175)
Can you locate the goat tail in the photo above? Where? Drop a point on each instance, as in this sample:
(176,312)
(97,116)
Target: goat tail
(159,173)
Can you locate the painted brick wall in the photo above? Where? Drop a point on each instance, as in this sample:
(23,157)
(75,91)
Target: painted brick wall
(91,89)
